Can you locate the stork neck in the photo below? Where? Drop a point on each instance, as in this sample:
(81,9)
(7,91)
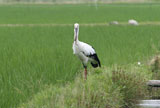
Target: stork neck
(76,32)
(75,37)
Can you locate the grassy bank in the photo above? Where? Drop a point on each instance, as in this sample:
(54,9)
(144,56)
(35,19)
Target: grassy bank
(115,87)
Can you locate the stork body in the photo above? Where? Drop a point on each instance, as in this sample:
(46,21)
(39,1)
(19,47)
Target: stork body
(85,52)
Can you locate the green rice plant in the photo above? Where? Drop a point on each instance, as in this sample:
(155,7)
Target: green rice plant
(32,57)
(82,13)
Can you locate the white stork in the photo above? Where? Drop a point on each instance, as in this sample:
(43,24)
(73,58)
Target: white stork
(85,52)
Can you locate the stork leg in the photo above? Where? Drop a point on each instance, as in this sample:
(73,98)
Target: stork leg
(85,74)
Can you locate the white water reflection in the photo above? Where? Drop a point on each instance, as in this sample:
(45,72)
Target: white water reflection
(149,104)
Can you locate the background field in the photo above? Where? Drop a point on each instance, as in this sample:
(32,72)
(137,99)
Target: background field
(32,57)
(73,1)
(69,14)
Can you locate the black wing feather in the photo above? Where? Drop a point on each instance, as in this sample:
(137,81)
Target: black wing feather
(95,57)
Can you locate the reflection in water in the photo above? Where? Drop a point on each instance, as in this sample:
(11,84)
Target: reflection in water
(149,104)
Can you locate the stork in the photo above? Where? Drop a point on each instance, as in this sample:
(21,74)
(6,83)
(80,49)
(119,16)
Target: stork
(85,52)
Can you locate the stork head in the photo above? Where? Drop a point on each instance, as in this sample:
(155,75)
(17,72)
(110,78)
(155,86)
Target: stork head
(76,31)
(76,25)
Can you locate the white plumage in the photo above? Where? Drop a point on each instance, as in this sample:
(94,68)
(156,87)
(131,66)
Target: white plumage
(133,22)
(85,52)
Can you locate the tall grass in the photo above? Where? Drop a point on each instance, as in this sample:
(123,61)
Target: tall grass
(105,88)
(32,57)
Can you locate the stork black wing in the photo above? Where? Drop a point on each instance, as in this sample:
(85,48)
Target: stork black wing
(95,63)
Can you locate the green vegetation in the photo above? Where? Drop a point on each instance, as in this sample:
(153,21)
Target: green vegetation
(114,87)
(37,60)
(83,13)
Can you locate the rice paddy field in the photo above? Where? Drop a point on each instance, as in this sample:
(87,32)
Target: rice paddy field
(36,43)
